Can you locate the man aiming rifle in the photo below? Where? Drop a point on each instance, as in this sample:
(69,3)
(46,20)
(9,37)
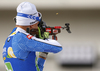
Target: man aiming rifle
(19,50)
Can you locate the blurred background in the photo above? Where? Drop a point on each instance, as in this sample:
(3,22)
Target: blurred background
(81,48)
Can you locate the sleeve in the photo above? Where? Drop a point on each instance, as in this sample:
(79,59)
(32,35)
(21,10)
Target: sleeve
(21,41)
(41,63)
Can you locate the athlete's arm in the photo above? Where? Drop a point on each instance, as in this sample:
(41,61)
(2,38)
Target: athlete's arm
(41,60)
(26,43)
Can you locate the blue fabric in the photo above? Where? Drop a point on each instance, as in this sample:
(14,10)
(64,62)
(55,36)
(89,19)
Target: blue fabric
(28,16)
(41,63)
(18,64)
(24,49)
(22,46)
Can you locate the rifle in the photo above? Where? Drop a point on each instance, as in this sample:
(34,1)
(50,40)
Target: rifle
(42,28)
(52,30)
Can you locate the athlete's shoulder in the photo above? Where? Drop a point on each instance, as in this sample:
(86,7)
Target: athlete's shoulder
(13,30)
(23,35)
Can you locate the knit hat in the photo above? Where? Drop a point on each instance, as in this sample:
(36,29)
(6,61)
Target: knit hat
(27,14)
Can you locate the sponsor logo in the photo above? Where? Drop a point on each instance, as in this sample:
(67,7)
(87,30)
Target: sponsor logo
(4,58)
(13,33)
(8,66)
(55,31)
(8,39)
(48,30)
(10,52)
(4,49)
(29,36)
(33,22)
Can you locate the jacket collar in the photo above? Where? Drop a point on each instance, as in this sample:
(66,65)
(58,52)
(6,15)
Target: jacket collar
(20,30)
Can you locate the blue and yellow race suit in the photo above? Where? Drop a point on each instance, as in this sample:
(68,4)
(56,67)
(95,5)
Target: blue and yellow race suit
(19,51)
